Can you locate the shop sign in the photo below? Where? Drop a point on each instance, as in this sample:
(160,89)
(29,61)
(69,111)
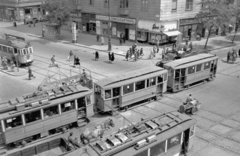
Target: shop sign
(157,26)
(116,19)
(188,21)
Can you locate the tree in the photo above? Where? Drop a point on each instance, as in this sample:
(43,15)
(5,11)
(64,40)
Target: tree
(59,12)
(235,20)
(213,15)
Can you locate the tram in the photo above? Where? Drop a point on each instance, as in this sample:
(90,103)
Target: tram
(16,49)
(130,88)
(190,71)
(167,134)
(30,117)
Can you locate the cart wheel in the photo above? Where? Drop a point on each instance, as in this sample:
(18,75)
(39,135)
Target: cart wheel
(194,110)
(182,109)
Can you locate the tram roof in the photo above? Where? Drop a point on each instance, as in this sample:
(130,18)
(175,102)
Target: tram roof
(41,99)
(130,76)
(187,60)
(14,43)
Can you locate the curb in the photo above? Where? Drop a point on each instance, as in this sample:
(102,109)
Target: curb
(225,60)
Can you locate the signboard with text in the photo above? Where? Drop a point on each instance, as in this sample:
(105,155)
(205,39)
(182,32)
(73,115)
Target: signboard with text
(156,26)
(116,19)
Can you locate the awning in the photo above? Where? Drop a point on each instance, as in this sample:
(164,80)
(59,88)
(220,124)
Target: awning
(172,33)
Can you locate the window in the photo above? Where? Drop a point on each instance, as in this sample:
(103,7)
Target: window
(15,51)
(13,122)
(174,5)
(116,92)
(198,67)
(50,111)
(106,3)
(123,4)
(90,2)
(174,141)
(30,50)
(0,48)
(88,99)
(33,116)
(189,4)
(160,79)
(19,52)
(151,82)
(108,94)
(165,77)
(158,149)
(206,65)
(191,70)
(4,49)
(144,5)
(76,2)
(140,85)
(128,88)
(24,52)
(65,107)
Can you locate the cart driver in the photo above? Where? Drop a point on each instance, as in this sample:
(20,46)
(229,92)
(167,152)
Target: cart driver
(189,98)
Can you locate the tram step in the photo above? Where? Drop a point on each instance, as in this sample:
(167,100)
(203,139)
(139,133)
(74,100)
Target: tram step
(82,122)
(3,150)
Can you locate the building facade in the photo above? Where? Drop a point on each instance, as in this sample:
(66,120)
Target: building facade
(18,9)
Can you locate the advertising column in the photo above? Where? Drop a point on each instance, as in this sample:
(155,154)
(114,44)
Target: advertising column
(74,33)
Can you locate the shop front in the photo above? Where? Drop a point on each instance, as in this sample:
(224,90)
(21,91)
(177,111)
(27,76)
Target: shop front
(190,28)
(89,23)
(120,26)
(153,31)
(77,18)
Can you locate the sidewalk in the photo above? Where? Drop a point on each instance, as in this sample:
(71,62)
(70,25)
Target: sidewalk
(21,71)
(89,41)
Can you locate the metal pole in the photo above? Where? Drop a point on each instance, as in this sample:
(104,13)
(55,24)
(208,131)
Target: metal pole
(17,63)
(42,17)
(109,30)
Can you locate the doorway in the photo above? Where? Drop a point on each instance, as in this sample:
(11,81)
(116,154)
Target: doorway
(185,143)
(126,33)
(190,33)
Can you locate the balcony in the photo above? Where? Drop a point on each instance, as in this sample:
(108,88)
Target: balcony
(123,11)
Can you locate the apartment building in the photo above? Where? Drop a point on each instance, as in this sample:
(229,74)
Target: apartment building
(17,9)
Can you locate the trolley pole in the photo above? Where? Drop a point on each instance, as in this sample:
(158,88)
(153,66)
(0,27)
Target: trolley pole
(109,29)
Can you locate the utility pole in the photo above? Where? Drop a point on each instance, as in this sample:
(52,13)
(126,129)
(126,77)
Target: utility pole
(109,29)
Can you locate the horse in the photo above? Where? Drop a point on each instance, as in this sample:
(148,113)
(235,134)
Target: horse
(87,135)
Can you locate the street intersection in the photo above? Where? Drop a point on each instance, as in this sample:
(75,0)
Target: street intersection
(218,121)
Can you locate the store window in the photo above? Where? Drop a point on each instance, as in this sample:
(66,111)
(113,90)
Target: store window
(189,4)
(142,36)
(33,116)
(174,5)
(108,94)
(144,6)
(140,85)
(123,4)
(65,107)
(13,122)
(50,111)
(128,88)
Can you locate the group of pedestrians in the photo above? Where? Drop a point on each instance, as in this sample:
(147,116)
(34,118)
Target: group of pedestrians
(4,63)
(111,56)
(232,56)
(134,53)
(76,59)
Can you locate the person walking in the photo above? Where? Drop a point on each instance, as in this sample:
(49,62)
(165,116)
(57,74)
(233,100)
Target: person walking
(112,57)
(239,52)
(30,74)
(43,33)
(141,52)
(228,56)
(76,61)
(102,40)
(127,55)
(120,40)
(157,45)
(70,55)
(96,56)
(53,61)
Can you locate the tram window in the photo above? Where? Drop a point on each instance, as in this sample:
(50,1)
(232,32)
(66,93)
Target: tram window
(191,70)
(160,79)
(81,102)
(158,149)
(88,99)
(140,85)
(30,50)
(174,141)
(108,94)
(15,51)
(24,52)
(165,77)
(19,52)
(192,129)
(13,122)
(4,49)
(67,106)
(33,116)
(116,92)
(198,67)
(10,50)
(97,90)
(50,111)
(151,82)
(206,65)
(0,48)
(128,88)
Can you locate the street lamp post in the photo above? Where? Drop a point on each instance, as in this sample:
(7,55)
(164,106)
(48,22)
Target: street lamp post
(109,30)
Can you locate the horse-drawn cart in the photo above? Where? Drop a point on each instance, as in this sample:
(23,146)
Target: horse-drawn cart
(190,108)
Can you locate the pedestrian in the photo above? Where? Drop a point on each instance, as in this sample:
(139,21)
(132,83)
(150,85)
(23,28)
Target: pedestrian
(109,56)
(127,54)
(239,52)
(70,55)
(141,52)
(228,56)
(135,56)
(98,38)
(43,32)
(189,98)
(190,46)
(53,61)
(34,23)
(30,74)
(112,57)
(96,56)
(120,40)
(164,49)
(157,45)
(102,40)
(76,61)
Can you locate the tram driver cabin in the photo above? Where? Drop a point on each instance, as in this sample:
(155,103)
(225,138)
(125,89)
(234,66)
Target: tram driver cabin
(189,71)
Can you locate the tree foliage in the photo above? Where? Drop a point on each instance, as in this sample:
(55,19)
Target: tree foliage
(58,11)
(213,14)
(235,20)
